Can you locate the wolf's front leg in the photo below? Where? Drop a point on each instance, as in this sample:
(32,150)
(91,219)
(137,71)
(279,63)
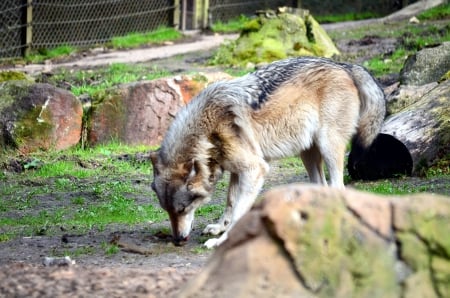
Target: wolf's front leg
(243,190)
(227,216)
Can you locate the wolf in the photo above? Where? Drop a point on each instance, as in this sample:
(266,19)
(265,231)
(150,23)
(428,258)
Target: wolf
(306,106)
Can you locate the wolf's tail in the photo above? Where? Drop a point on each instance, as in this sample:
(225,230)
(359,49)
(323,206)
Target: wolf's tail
(373,107)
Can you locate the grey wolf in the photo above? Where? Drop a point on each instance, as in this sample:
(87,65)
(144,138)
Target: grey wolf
(311,107)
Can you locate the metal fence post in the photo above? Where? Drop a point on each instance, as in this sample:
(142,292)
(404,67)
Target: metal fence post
(29,27)
(176,14)
(205,14)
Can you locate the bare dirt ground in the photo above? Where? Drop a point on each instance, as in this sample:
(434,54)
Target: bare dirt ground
(155,268)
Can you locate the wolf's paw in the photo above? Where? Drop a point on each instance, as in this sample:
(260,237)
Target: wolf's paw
(213,229)
(213,242)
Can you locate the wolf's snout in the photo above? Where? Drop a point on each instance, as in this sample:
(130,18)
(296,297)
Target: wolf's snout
(180,240)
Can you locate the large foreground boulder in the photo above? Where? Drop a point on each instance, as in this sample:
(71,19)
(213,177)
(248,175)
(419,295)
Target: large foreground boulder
(38,117)
(313,241)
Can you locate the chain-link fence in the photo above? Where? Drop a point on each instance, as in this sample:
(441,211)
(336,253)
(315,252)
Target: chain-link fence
(33,24)
(83,22)
(12,26)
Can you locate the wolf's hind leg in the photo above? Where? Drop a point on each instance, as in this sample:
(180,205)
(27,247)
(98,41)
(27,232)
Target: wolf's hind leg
(333,150)
(313,162)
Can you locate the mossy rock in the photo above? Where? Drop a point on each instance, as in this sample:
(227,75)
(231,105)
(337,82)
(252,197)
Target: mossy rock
(266,39)
(38,117)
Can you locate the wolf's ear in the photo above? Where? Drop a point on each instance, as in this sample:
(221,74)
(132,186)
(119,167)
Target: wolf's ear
(192,168)
(154,159)
(216,173)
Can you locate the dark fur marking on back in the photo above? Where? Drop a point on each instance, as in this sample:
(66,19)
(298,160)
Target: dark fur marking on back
(271,76)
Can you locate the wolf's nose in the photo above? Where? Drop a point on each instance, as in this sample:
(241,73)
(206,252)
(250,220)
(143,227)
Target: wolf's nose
(180,241)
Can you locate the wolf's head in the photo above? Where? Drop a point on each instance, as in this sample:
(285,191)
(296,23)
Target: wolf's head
(181,188)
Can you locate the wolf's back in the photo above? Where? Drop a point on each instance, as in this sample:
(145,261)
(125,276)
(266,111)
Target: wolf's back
(373,107)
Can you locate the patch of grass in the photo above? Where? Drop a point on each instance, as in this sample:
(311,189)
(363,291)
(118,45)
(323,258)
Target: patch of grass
(238,72)
(45,54)
(158,36)
(411,40)
(200,249)
(232,26)
(393,64)
(80,189)
(109,249)
(4,237)
(289,162)
(90,82)
(72,252)
(392,187)
(211,212)
(132,40)
(346,17)
(439,12)
(62,168)
(115,208)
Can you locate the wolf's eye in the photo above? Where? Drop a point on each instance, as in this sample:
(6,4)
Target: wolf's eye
(195,197)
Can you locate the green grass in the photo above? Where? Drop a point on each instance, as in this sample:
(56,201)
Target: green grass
(134,40)
(89,82)
(391,64)
(78,189)
(212,212)
(232,26)
(436,13)
(45,54)
(110,249)
(393,187)
(346,17)
(412,38)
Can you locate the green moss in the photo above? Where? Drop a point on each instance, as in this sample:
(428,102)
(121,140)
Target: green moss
(273,50)
(13,76)
(251,26)
(441,112)
(109,112)
(413,251)
(334,256)
(266,39)
(441,275)
(11,90)
(445,77)
(29,130)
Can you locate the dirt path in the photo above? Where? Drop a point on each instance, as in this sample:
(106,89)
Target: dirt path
(102,57)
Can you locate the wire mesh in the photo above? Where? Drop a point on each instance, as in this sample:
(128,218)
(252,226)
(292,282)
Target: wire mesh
(88,22)
(12,25)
